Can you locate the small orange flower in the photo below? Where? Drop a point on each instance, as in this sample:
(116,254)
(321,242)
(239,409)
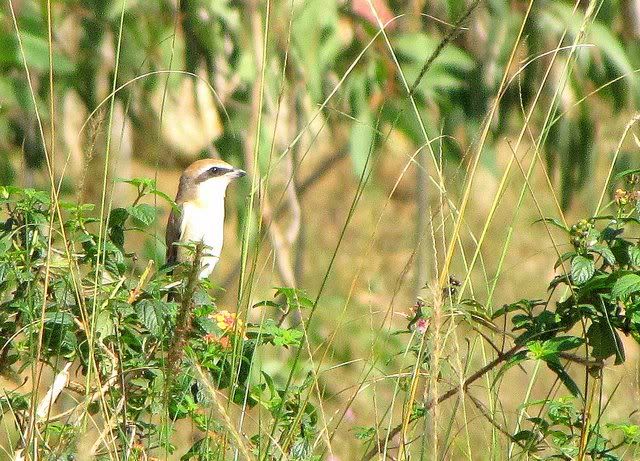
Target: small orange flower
(210,338)
(225,342)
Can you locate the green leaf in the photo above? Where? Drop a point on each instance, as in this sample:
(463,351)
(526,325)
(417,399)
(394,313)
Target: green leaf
(164,196)
(524,305)
(516,359)
(141,183)
(59,337)
(364,432)
(59,318)
(117,217)
(549,350)
(116,234)
(13,401)
(625,286)
(446,73)
(634,255)
(526,436)
(316,41)
(143,214)
(361,143)
(150,312)
(36,51)
(266,303)
(564,377)
(582,269)
(104,324)
(362,135)
(563,343)
(631,432)
(281,336)
(562,411)
(554,222)
(605,342)
(564,257)
(625,173)
(296,298)
(605,252)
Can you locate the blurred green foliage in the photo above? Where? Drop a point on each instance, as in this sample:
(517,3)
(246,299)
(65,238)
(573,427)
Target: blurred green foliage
(320,42)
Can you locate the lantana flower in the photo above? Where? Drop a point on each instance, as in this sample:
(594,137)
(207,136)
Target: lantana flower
(228,322)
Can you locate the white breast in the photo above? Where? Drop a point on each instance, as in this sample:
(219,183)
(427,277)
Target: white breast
(204,224)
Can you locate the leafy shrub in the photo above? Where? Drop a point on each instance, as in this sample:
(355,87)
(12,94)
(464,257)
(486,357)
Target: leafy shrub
(72,294)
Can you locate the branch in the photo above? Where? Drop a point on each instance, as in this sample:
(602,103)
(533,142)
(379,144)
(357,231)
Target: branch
(447,395)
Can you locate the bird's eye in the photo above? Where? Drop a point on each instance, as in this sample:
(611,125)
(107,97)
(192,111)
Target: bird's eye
(214,171)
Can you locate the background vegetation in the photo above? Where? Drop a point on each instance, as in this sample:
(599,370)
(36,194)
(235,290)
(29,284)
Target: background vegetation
(390,147)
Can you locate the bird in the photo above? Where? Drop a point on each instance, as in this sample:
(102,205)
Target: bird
(199,214)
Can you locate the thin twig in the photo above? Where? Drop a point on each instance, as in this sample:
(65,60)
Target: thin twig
(484,412)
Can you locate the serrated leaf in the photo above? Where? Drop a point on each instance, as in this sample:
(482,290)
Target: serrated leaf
(626,285)
(150,313)
(549,350)
(142,213)
(296,298)
(563,343)
(117,217)
(281,336)
(143,183)
(605,252)
(582,269)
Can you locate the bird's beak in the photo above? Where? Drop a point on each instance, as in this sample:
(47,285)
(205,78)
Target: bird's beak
(237,173)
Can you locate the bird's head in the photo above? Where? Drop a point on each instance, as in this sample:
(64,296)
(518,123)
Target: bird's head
(206,180)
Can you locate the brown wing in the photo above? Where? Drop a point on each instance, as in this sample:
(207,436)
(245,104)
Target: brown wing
(173,235)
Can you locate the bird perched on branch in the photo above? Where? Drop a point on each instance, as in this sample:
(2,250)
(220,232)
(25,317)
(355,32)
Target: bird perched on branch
(200,213)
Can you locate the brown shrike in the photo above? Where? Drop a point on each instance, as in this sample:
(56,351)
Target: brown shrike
(200,213)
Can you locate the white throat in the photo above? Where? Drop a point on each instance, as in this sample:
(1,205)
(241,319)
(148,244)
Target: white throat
(212,191)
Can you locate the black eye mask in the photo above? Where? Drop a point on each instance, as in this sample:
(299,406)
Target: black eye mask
(213,172)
